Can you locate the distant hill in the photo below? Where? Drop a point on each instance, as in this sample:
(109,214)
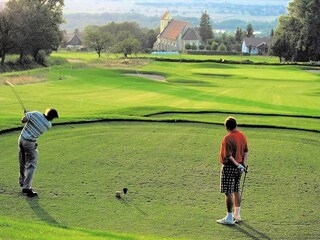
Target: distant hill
(81,20)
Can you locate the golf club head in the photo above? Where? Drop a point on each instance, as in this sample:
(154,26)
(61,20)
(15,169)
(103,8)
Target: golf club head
(125,190)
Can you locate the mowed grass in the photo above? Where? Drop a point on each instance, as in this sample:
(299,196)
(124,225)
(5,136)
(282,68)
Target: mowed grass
(98,93)
(93,57)
(170,169)
(172,173)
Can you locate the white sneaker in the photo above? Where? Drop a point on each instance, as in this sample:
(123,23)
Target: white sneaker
(225,221)
(237,219)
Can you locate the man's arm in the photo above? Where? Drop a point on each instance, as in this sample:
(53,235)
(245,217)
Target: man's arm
(245,157)
(230,158)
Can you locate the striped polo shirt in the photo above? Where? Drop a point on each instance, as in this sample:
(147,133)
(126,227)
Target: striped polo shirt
(36,125)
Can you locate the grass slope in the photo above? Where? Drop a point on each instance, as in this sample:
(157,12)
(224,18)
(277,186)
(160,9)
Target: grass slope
(172,173)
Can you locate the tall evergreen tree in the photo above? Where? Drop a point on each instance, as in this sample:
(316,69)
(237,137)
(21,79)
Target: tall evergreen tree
(206,32)
(239,35)
(249,32)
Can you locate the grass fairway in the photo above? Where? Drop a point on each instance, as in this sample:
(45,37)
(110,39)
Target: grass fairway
(94,93)
(170,169)
(172,174)
(93,57)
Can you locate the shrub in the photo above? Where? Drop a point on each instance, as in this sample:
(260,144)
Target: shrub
(187,46)
(41,57)
(222,48)
(201,47)
(214,45)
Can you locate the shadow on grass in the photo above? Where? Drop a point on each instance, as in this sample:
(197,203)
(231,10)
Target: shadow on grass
(47,218)
(249,231)
(132,205)
(41,213)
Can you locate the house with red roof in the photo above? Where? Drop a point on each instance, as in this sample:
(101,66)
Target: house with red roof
(175,34)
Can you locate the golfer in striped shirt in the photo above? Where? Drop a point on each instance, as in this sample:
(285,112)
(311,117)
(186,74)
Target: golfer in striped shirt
(36,123)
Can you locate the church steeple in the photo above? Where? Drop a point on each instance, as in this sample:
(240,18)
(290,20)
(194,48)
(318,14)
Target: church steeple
(164,21)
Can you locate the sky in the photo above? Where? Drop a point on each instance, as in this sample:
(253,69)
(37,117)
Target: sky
(98,6)
(122,6)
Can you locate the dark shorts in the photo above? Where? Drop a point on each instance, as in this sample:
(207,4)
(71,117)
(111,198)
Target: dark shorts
(230,179)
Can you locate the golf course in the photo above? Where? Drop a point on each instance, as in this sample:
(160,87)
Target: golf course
(155,127)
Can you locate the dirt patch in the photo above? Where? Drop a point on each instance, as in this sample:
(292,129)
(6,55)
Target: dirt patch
(20,80)
(314,71)
(70,60)
(149,76)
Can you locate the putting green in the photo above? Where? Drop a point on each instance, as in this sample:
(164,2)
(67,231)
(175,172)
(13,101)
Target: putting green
(172,173)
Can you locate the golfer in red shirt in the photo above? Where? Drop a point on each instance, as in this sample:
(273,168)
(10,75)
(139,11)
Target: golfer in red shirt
(233,156)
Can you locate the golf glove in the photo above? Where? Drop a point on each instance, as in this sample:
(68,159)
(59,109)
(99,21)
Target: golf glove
(241,168)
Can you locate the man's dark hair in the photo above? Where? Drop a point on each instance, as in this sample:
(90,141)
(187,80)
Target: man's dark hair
(230,123)
(51,114)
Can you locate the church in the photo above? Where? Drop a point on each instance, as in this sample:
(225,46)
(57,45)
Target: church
(175,35)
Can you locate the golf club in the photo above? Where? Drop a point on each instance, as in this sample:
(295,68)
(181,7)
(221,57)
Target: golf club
(244,179)
(17,96)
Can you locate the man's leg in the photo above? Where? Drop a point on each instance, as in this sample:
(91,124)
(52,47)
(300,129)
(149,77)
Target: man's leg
(31,160)
(22,163)
(31,165)
(237,204)
(226,186)
(229,202)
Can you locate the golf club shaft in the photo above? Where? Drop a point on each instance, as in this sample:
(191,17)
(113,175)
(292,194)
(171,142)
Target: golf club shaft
(244,179)
(17,96)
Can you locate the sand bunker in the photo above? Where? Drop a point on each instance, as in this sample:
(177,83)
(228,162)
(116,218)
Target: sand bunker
(314,71)
(148,76)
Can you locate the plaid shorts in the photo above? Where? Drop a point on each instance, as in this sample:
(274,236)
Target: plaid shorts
(230,179)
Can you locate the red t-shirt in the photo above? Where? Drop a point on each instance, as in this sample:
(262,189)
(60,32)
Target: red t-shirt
(233,144)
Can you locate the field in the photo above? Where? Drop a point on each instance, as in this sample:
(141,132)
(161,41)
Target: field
(161,140)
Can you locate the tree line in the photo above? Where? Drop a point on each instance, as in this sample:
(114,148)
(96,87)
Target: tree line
(220,42)
(126,38)
(30,28)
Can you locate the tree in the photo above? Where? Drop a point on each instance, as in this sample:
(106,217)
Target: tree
(124,31)
(97,38)
(151,38)
(300,31)
(222,48)
(272,32)
(239,35)
(6,35)
(36,25)
(306,15)
(249,32)
(128,46)
(283,41)
(214,45)
(205,28)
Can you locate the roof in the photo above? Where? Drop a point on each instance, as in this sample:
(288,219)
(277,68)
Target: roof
(75,39)
(256,42)
(173,29)
(191,34)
